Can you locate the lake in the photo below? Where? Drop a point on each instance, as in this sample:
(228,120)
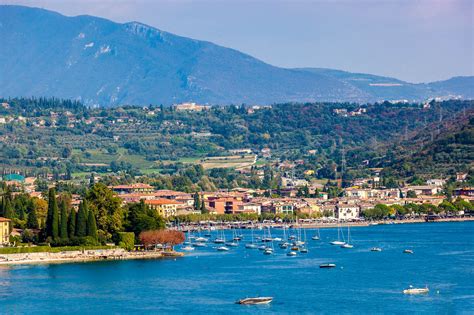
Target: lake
(208,281)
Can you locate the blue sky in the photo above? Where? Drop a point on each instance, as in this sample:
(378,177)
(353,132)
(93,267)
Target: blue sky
(413,40)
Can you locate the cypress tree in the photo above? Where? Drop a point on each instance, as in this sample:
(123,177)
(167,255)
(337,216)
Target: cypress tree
(81,222)
(8,209)
(71,228)
(63,226)
(197,203)
(2,208)
(203,208)
(91,226)
(51,218)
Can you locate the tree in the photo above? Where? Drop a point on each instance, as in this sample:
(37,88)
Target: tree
(197,203)
(142,218)
(411,194)
(32,220)
(203,208)
(52,220)
(164,237)
(107,209)
(63,233)
(81,223)
(7,208)
(71,227)
(91,226)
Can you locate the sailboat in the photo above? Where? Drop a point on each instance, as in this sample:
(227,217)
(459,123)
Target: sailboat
(220,240)
(284,244)
(348,244)
(269,249)
(316,237)
(339,232)
(251,245)
(188,246)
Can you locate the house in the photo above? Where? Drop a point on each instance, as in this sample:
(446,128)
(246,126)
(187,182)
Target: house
(249,207)
(224,204)
(282,207)
(425,190)
(347,211)
(133,188)
(436,182)
(461,177)
(190,107)
(465,191)
(5,227)
(164,207)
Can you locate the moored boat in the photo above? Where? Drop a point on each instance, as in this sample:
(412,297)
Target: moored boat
(251,246)
(408,251)
(291,254)
(327,266)
(222,249)
(255,300)
(188,248)
(375,249)
(412,290)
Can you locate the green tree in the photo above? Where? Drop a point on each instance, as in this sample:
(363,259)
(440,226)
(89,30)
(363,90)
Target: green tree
(71,227)
(197,203)
(107,209)
(52,220)
(63,233)
(8,208)
(91,226)
(32,220)
(81,223)
(411,194)
(203,208)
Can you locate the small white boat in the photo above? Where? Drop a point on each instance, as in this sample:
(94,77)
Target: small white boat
(375,249)
(251,246)
(201,239)
(327,266)
(232,244)
(412,290)
(188,248)
(219,241)
(303,250)
(298,243)
(263,247)
(222,249)
(315,238)
(255,301)
(199,244)
(277,239)
(268,251)
(337,243)
(408,251)
(347,246)
(291,254)
(284,245)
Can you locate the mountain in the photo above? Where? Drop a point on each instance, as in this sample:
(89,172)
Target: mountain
(101,62)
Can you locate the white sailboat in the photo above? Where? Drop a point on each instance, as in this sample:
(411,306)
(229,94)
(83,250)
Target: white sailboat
(348,243)
(339,232)
(316,237)
(251,245)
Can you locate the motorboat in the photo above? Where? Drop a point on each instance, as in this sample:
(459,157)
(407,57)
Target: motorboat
(408,251)
(232,244)
(201,239)
(375,249)
(327,266)
(188,248)
(295,248)
(303,250)
(199,244)
(251,246)
(222,248)
(412,290)
(291,254)
(255,301)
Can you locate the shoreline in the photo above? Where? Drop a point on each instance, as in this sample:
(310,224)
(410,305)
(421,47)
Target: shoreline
(81,256)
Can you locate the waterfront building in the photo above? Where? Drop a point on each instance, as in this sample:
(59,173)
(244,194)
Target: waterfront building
(4,231)
(164,207)
(132,188)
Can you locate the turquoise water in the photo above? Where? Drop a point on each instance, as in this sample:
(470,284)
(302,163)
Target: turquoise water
(207,281)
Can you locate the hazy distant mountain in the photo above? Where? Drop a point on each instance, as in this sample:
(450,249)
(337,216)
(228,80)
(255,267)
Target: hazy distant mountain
(101,62)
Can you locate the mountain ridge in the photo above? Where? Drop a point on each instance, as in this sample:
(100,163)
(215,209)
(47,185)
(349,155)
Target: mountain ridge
(101,62)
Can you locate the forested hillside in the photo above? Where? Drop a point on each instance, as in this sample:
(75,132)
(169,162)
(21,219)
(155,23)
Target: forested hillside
(63,136)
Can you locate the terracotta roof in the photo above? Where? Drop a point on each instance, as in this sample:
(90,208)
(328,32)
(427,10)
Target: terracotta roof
(162,202)
(132,186)
(4,219)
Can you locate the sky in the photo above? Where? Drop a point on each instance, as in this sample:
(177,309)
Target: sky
(412,40)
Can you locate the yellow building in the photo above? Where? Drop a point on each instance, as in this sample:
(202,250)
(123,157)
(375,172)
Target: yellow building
(4,230)
(164,207)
